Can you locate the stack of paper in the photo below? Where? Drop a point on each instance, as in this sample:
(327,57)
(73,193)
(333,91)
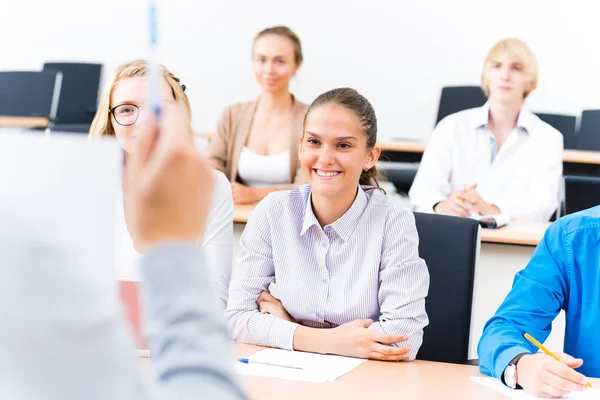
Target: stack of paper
(313,367)
(495,384)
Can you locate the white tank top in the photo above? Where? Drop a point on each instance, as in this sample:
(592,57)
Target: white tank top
(257,170)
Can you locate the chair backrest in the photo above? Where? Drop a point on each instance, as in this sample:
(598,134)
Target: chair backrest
(565,124)
(581,193)
(459,98)
(588,136)
(30,93)
(79,93)
(450,247)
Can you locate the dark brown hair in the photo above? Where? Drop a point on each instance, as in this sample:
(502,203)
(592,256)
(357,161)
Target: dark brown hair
(286,32)
(362,108)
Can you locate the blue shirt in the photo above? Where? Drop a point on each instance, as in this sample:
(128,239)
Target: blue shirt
(564,273)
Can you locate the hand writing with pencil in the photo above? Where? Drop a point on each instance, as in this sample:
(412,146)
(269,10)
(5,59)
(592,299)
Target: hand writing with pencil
(454,205)
(473,202)
(462,203)
(541,375)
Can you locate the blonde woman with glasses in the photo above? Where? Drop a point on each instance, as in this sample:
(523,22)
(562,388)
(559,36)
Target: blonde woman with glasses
(124,112)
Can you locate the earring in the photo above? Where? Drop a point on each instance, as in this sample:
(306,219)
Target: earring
(366,169)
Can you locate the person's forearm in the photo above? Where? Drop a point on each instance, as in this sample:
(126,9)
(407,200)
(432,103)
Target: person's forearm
(190,347)
(253,327)
(313,340)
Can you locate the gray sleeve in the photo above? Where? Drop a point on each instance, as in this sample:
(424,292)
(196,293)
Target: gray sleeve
(191,350)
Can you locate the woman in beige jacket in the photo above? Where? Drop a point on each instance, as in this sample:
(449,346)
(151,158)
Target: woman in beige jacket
(256,144)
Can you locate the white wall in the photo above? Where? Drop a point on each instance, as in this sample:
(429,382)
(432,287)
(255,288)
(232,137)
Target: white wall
(398,53)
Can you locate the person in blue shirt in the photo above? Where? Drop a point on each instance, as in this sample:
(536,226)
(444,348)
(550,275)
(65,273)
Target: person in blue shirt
(563,273)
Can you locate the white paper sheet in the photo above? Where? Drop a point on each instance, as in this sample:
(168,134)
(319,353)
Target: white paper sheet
(495,384)
(62,189)
(315,367)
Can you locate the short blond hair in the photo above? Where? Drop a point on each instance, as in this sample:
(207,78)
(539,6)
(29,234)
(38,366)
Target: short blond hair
(101,125)
(522,54)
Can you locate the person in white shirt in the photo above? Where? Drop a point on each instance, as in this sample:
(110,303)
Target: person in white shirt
(123,111)
(495,159)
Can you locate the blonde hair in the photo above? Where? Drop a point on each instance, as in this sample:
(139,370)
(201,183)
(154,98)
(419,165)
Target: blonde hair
(101,125)
(522,54)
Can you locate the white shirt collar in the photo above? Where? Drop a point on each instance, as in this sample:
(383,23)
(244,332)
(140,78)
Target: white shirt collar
(482,117)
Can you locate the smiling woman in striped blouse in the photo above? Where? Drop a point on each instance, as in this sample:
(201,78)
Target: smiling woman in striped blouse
(343,256)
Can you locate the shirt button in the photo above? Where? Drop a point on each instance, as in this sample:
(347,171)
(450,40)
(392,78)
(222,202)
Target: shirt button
(324,280)
(324,245)
(319,316)
(327,228)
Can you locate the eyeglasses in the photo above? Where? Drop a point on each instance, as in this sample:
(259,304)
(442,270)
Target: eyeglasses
(125,114)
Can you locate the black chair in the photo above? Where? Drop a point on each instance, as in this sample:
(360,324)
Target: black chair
(30,93)
(401,175)
(459,98)
(565,124)
(581,193)
(79,95)
(449,246)
(588,136)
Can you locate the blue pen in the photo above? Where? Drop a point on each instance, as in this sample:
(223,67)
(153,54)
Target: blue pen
(249,361)
(154,67)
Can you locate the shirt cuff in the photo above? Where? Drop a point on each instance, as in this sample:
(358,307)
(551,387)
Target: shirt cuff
(506,357)
(281,334)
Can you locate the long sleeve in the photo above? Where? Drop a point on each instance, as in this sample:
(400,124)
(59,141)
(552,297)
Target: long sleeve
(217,149)
(217,241)
(255,271)
(521,312)
(191,352)
(541,199)
(432,182)
(63,332)
(404,282)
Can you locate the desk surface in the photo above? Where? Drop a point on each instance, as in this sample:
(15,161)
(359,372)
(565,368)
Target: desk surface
(203,135)
(24,122)
(241,213)
(375,380)
(569,156)
(516,232)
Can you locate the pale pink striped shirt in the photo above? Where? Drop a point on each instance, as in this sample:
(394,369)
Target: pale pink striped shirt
(364,265)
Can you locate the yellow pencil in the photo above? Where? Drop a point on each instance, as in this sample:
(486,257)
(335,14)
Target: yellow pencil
(545,350)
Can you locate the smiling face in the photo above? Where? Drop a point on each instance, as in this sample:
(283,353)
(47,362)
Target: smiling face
(274,62)
(506,79)
(333,151)
(134,91)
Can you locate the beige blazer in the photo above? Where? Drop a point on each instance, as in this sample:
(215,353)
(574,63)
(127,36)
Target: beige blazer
(232,133)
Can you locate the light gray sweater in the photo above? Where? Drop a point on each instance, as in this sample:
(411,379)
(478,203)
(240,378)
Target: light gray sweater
(62,337)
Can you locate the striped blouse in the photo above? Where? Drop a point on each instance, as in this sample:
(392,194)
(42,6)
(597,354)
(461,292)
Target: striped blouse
(364,265)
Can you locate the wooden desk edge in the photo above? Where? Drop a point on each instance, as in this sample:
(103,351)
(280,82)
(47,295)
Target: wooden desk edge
(569,156)
(24,122)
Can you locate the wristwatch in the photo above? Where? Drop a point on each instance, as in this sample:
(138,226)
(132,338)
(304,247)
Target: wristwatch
(510,372)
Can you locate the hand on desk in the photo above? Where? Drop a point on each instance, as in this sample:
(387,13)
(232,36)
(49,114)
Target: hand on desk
(543,376)
(354,339)
(267,304)
(475,203)
(454,205)
(462,203)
